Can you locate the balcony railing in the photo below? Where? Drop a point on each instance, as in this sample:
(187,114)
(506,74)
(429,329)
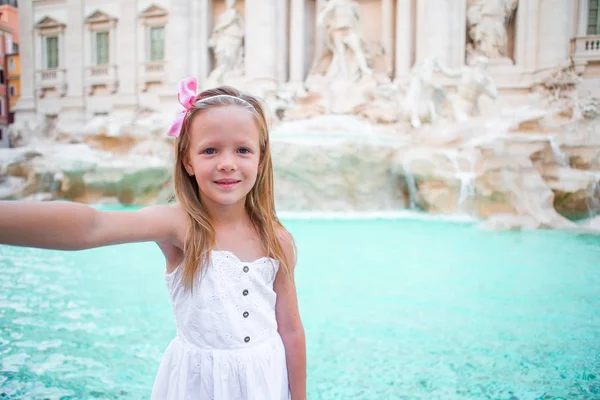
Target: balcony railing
(49,75)
(102,76)
(586,48)
(152,72)
(154,67)
(51,79)
(99,70)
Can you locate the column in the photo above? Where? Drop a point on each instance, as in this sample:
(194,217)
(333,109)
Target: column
(440,31)
(261,41)
(177,51)
(282,36)
(25,107)
(526,35)
(319,31)
(62,54)
(88,58)
(39,44)
(73,59)
(113,57)
(555,21)
(582,18)
(297,43)
(387,33)
(405,37)
(458,33)
(206,12)
(126,54)
(201,27)
(141,31)
(195,28)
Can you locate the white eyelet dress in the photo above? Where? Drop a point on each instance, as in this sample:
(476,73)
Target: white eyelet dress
(227,345)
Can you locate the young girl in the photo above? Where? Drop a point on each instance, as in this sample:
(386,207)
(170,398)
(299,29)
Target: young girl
(229,261)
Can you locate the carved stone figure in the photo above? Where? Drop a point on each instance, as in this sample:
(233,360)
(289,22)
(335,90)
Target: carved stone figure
(474,81)
(344,55)
(487,22)
(227,40)
(423,96)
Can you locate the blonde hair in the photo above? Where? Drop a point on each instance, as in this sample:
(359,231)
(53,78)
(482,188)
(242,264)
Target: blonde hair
(260,202)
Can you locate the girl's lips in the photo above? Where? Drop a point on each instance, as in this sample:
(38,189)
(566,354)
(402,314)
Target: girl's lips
(227,183)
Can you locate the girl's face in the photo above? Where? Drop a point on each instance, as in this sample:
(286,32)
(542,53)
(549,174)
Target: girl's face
(224,154)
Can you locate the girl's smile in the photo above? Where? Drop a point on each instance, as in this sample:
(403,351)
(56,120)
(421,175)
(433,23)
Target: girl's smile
(227,183)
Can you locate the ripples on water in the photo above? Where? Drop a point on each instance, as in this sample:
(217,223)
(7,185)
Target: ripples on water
(411,310)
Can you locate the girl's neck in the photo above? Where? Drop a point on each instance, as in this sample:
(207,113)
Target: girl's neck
(229,215)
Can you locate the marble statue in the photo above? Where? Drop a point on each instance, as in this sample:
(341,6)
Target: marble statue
(227,41)
(344,55)
(487,22)
(474,81)
(423,95)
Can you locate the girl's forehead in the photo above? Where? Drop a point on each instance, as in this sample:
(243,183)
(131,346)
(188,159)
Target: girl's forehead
(223,122)
(225,113)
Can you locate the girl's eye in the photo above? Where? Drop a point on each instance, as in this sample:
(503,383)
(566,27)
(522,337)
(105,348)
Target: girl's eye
(209,151)
(244,150)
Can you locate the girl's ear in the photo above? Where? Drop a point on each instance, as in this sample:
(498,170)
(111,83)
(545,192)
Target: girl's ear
(187,165)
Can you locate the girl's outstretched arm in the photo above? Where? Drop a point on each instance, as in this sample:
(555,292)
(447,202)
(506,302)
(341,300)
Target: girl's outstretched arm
(73,226)
(290,325)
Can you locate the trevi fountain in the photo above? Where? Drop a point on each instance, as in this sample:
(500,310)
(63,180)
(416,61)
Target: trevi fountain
(380,108)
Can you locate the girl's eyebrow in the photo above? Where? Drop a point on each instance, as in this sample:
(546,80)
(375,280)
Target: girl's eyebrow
(216,142)
(247,142)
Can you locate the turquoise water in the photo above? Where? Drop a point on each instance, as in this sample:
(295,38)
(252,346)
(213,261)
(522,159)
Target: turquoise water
(393,309)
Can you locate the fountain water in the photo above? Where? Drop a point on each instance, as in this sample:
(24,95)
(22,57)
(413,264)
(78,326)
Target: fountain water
(466,178)
(593,201)
(560,157)
(411,186)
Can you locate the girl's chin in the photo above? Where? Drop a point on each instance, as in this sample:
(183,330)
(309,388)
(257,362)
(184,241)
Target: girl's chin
(223,198)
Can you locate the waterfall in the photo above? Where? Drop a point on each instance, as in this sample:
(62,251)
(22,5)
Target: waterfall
(560,157)
(411,185)
(593,201)
(466,178)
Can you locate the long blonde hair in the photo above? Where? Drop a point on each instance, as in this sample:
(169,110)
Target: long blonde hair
(260,202)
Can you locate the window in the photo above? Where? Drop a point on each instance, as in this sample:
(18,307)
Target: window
(11,65)
(101,48)
(593,26)
(8,42)
(154,20)
(11,91)
(52,52)
(157,43)
(1,107)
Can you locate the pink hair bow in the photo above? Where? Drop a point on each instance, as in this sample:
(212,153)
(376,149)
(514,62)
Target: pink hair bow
(186,96)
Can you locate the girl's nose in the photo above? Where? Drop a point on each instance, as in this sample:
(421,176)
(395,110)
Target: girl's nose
(227,163)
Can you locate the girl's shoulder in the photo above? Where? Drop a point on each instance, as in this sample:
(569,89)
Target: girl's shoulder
(177,215)
(287,244)
(172,216)
(171,212)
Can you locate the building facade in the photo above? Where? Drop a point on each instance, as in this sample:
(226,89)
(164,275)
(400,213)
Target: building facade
(83,58)
(13,82)
(9,39)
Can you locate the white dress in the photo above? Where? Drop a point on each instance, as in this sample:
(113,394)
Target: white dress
(227,345)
